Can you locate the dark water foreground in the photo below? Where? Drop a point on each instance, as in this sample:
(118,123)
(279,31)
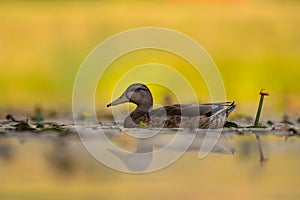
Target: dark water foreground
(54,164)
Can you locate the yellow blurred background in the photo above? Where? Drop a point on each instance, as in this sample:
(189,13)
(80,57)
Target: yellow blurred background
(255,45)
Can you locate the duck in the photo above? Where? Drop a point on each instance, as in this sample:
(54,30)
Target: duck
(203,116)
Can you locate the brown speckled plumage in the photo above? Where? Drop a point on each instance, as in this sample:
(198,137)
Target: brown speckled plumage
(211,115)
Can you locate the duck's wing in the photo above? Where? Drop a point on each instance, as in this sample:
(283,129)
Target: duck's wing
(193,110)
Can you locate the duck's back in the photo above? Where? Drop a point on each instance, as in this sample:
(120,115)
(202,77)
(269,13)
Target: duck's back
(192,115)
(191,110)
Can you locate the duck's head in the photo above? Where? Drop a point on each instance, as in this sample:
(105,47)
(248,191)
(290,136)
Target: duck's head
(137,93)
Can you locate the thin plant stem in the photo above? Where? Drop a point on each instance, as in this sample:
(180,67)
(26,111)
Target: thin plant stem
(256,123)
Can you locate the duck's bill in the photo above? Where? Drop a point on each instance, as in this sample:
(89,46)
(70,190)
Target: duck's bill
(120,100)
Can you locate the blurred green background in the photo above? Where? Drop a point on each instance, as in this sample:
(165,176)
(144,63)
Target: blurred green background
(255,45)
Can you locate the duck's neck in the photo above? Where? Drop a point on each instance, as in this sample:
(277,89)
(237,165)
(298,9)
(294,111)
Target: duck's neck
(140,114)
(144,107)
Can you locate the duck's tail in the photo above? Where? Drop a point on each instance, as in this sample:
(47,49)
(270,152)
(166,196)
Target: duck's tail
(230,108)
(223,108)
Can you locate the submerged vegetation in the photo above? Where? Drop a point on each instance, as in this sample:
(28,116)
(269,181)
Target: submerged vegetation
(284,127)
(13,125)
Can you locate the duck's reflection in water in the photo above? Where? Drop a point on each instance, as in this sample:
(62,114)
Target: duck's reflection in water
(61,158)
(6,153)
(141,157)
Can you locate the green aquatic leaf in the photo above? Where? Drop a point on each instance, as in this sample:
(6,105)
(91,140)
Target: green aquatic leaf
(38,116)
(143,124)
(24,126)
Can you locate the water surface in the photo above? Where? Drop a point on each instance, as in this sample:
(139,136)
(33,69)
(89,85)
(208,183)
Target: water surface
(35,166)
